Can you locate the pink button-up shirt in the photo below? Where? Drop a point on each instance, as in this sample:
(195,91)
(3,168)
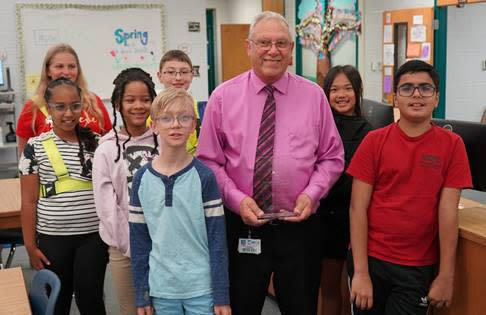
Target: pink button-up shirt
(308,152)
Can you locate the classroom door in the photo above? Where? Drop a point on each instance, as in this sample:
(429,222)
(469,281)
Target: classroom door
(233,52)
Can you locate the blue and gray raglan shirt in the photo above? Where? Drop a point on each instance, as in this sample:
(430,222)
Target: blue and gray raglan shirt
(177,235)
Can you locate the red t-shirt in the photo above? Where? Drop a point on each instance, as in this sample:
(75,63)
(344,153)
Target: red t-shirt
(24,123)
(408,175)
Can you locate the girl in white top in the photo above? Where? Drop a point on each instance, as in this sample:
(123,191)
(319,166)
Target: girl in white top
(59,223)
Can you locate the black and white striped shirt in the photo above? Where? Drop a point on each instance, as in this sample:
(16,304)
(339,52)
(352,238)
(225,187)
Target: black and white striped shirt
(67,213)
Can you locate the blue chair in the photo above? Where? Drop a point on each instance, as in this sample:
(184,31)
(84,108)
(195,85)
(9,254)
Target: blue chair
(10,238)
(43,292)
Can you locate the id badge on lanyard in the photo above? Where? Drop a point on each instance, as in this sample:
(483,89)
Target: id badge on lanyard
(249,245)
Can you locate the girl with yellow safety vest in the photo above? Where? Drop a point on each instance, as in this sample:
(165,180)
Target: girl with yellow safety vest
(59,220)
(61,60)
(119,155)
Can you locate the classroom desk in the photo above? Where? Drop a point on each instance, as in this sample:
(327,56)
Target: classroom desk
(9,203)
(13,295)
(470,277)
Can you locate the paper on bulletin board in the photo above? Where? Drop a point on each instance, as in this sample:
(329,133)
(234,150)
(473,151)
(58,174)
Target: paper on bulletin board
(387,33)
(387,84)
(413,50)
(418,34)
(387,71)
(388,54)
(425,54)
(31,83)
(418,19)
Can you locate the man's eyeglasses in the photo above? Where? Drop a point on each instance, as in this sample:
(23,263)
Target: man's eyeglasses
(76,107)
(168,121)
(265,44)
(183,73)
(425,90)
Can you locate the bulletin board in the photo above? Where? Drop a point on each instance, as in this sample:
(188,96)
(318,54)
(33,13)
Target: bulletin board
(107,39)
(419,43)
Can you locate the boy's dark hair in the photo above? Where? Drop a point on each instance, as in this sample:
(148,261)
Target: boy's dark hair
(122,79)
(175,54)
(414,66)
(353,76)
(86,138)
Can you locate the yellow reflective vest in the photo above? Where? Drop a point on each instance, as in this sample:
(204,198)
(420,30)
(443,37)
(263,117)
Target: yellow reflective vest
(64,182)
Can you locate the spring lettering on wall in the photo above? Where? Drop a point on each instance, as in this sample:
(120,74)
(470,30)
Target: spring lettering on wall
(133,48)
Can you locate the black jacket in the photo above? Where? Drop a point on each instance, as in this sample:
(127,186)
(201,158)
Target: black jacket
(352,130)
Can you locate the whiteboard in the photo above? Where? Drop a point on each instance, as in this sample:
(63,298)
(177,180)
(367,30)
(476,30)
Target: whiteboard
(107,39)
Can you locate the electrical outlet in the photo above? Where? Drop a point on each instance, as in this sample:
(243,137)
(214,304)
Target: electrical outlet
(3,54)
(375,66)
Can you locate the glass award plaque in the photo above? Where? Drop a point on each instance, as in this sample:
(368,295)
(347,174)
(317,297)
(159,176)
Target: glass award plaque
(282,205)
(275,215)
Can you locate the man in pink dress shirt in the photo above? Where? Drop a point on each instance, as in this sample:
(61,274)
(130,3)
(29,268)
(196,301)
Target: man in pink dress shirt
(307,159)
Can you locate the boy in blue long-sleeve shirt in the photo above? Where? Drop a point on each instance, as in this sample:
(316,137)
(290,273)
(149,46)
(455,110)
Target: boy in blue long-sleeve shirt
(177,226)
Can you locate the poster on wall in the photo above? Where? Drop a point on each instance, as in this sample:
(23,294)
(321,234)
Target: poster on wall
(387,33)
(418,19)
(107,39)
(387,84)
(418,33)
(388,54)
(425,54)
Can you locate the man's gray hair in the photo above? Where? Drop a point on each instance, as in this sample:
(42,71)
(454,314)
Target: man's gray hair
(266,15)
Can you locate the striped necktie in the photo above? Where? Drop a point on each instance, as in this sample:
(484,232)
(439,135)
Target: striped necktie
(262,177)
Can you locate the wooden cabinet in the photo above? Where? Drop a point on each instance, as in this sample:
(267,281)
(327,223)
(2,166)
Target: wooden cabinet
(442,3)
(470,277)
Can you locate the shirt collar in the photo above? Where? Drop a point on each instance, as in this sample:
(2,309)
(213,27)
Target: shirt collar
(280,85)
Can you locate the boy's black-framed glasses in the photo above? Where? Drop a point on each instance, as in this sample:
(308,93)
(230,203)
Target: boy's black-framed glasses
(425,89)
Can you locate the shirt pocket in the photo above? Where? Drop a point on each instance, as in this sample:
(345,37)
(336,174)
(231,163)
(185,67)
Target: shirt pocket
(303,143)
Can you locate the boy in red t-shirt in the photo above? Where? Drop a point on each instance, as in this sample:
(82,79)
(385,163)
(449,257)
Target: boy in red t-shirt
(407,181)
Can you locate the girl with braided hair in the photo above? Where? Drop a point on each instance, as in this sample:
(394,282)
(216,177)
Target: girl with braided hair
(59,220)
(120,154)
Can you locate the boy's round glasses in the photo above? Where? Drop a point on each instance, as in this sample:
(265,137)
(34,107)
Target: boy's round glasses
(76,107)
(168,121)
(425,90)
(264,44)
(183,73)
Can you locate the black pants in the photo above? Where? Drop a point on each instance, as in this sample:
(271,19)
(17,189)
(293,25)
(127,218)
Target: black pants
(80,263)
(397,289)
(290,251)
